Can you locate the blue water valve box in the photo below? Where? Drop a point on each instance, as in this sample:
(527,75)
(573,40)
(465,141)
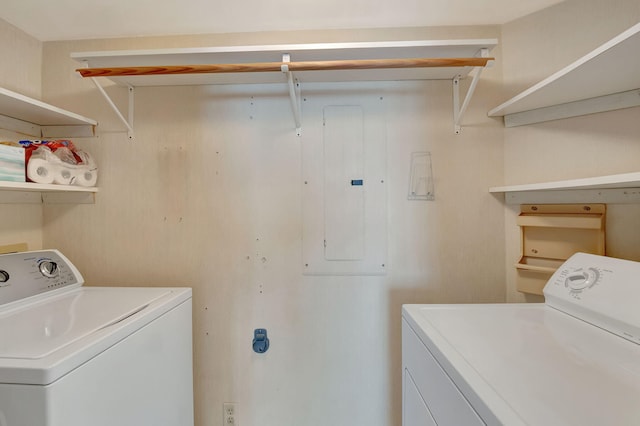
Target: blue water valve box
(12,167)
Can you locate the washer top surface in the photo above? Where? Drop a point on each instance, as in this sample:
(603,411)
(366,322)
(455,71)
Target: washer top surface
(532,364)
(44,339)
(36,330)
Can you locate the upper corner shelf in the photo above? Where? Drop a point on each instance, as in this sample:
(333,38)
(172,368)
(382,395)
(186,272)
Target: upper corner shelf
(298,53)
(32,117)
(605,79)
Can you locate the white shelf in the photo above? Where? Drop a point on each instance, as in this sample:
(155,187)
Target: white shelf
(36,193)
(606,79)
(298,53)
(30,116)
(295,53)
(620,189)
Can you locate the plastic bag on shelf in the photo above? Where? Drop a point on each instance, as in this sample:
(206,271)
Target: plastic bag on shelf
(67,167)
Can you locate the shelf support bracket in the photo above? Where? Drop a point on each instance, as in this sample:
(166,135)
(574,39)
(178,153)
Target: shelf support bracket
(294,92)
(128,123)
(458,110)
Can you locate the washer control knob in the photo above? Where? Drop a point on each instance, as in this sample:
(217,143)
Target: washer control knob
(4,276)
(48,268)
(580,280)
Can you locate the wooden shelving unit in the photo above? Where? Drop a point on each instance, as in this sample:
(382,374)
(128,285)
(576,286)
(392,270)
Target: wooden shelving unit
(550,234)
(607,78)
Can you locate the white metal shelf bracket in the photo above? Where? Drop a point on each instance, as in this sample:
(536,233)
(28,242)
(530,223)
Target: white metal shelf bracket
(127,122)
(458,110)
(294,92)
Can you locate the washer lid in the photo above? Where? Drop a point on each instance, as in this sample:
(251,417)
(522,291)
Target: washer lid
(532,364)
(37,330)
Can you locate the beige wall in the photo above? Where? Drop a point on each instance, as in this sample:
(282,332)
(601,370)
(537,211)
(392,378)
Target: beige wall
(209,195)
(21,64)
(535,47)
(20,71)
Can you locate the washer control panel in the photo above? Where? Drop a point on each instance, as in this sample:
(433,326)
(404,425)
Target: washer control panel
(31,273)
(601,290)
(581,279)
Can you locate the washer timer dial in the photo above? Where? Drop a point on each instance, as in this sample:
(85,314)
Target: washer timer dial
(581,279)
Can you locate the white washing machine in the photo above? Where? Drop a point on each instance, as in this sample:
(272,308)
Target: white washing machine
(573,360)
(90,356)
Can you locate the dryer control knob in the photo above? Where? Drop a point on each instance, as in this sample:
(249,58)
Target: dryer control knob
(4,276)
(48,268)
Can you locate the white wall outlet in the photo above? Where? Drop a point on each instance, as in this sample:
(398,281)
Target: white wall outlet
(229,414)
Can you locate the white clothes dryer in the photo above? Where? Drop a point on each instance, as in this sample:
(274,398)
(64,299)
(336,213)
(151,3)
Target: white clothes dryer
(573,360)
(90,356)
